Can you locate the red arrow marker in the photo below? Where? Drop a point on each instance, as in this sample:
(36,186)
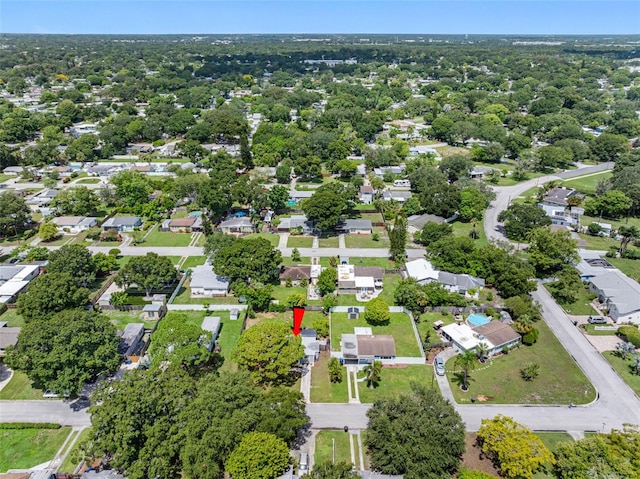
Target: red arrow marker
(298,314)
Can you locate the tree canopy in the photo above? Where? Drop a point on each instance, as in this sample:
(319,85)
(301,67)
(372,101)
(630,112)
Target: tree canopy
(259,455)
(147,272)
(50,293)
(325,208)
(520,219)
(247,260)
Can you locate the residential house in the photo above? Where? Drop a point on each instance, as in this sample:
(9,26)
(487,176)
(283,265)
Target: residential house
(122,223)
(103,170)
(82,129)
(296,223)
(421,270)
(480,172)
(415,223)
(13,170)
(74,224)
(395,170)
(312,346)
(399,196)
(363,281)
(238,226)
(295,274)
(42,199)
(182,225)
(154,311)
(205,283)
(8,337)
(212,324)
(461,283)
(363,347)
(424,150)
(495,334)
(556,206)
(619,294)
(355,227)
(366,194)
(130,339)
(15,278)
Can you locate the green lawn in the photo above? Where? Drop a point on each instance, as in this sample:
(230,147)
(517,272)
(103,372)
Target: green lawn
(193,261)
(300,242)
(281,293)
(287,261)
(587,184)
(4,177)
(384,263)
(88,181)
(580,307)
(323,390)
(325,442)
(591,330)
(328,242)
(121,318)
(389,284)
(26,448)
(12,318)
(501,382)
(165,238)
(395,381)
(615,224)
(366,241)
(174,259)
(399,327)
(598,242)
(20,387)
(630,267)
(623,367)
(425,325)
(274,239)
(464,229)
(76,454)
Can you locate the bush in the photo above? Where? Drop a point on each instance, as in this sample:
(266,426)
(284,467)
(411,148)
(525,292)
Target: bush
(376,312)
(631,333)
(276,308)
(491,312)
(321,325)
(489,296)
(335,370)
(531,337)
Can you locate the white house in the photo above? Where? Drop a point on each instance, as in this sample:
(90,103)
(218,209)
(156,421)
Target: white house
(205,283)
(75,224)
(556,206)
(495,335)
(619,293)
(122,223)
(421,270)
(356,227)
(15,278)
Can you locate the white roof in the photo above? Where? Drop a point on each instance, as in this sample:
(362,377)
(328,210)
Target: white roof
(346,272)
(363,330)
(211,324)
(421,270)
(620,290)
(463,335)
(364,282)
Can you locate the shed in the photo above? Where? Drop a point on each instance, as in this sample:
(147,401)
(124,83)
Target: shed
(153,311)
(130,338)
(212,324)
(353,312)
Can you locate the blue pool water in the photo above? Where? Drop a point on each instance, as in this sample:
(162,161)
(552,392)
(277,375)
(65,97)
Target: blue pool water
(477,319)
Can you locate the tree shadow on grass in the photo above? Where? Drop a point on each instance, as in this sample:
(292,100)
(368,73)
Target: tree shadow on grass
(458,379)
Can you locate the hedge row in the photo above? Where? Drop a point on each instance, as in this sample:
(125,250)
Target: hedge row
(631,333)
(29,425)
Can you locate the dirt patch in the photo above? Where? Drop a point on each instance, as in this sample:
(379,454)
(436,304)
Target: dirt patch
(483,398)
(260,317)
(431,354)
(472,458)
(394,366)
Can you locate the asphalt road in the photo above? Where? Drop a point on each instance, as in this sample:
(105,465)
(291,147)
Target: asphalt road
(504,195)
(50,410)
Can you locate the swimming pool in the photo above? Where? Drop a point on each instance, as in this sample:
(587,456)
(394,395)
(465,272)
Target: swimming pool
(477,319)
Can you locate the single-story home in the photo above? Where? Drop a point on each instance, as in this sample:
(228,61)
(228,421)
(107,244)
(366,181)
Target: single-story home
(296,222)
(237,226)
(399,196)
(421,270)
(366,194)
(363,347)
(495,334)
(205,283)
(122,223)
(154,311)
(15,278)
(102,170)
(130,338)
(13,170)
(619,294)
(75,224)
(460,283)
(312,346)
(212,324)
(181,225)
(359,280)
(415,223)
(356,227)
(479,172)
(295,274)
(394,170)
(42,199)
(8,337)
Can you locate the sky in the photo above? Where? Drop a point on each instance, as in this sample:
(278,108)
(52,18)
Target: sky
(321,16)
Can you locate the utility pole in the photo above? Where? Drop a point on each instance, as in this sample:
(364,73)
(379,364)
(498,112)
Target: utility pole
(333,448)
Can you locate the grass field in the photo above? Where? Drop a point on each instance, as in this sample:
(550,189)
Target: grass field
(184,297)
(366,241)
(193,261)
(328,242)
(287,261)
(88,181)
(399,327)
(464,229)
(274,239)
(325,441)
(281,293)
(580,307)
(165,238)
(587,184)
(591,330)
(323,390)
(75,455)
(121,318)
(560,380)
(623,367)
(598,242)
(300,242)
(26,448)
(12,318)
(394,381)
(20,387)
(630,267)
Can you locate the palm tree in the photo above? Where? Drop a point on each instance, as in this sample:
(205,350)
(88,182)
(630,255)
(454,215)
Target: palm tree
(467,361)
(482,350)
(372,373)
(524,324)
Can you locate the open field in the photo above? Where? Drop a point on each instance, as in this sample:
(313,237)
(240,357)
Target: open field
(300,242)
(587,184)
(26,448)
(274,239)
(399,327)
(366,241)
(500,381)
(323,390)
(165,238)
(325,441)
(395,381)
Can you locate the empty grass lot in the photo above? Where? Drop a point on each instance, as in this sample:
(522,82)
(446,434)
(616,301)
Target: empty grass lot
(184,297)
(623,368)
(26,448)
(500,380)
(587,184)
(580,307)
(20,387)
(399,327)
(630,267)
(323,390)
(395,381)
(165,238)
(328,242)
(464,229)
(193,261)
(274,239)
(121,318)
(366,241)
(325,446)
(300,242)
